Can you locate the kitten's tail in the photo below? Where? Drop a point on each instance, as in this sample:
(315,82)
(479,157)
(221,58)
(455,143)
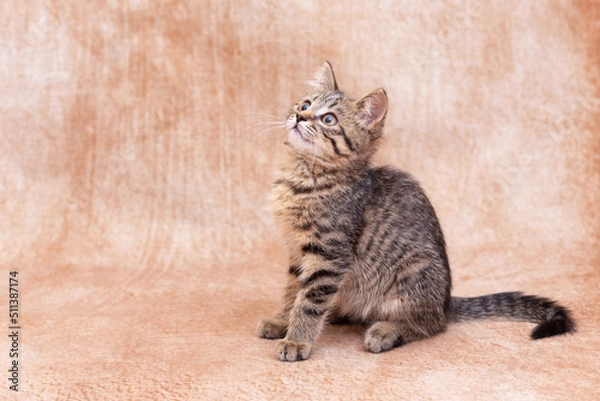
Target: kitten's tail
(552,318)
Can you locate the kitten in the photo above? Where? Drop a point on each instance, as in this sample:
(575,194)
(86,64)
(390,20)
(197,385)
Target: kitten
(365,245)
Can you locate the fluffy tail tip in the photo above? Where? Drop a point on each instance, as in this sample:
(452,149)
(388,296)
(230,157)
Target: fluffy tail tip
(561,323)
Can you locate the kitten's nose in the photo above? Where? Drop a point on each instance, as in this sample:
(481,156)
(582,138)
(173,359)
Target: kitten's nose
(300,117)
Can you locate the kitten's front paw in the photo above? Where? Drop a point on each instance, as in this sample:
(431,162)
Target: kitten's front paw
(291,351)
(272,328)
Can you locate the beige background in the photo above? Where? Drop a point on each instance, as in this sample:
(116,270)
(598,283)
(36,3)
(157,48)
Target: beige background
(137,153)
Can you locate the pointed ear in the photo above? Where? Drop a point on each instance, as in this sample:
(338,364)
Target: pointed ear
(324,80)
(372,109)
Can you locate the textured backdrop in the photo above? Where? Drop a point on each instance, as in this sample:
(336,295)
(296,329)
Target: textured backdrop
(137,149)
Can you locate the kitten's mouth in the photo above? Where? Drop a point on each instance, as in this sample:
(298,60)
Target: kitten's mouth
(297,130)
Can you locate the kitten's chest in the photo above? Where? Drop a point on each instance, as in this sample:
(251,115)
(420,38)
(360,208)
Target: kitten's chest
(322,209)
(299,213)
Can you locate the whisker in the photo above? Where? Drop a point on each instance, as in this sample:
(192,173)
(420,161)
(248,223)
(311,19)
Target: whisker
(263,115)
(260,124)
(258,133)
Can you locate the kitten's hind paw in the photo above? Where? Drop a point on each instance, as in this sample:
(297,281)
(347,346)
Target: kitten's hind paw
(272,328)
(291,351)
(382,336)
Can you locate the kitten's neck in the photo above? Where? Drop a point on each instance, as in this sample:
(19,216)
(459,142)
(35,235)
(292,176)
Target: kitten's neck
(317,166)
(299,168)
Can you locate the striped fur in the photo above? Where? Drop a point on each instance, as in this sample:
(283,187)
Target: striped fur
(365,243)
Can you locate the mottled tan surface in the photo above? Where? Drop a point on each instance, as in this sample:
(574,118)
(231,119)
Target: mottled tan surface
(136,164)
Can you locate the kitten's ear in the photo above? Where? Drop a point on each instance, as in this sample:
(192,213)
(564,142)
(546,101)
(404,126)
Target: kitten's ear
(372,109)
(324,80)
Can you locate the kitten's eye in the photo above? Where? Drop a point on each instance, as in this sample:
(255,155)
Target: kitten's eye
(305,105)
(329,119)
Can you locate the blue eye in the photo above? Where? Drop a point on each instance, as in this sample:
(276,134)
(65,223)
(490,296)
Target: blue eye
(329,119)
(305,105)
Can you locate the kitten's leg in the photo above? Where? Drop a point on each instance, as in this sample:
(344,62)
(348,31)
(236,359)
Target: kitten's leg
(415,306)
(276,326)
(319,283)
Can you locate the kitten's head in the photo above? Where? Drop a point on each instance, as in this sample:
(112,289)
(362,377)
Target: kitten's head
(326,126)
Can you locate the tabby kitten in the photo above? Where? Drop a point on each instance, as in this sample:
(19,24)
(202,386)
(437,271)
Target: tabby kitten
(365,245)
